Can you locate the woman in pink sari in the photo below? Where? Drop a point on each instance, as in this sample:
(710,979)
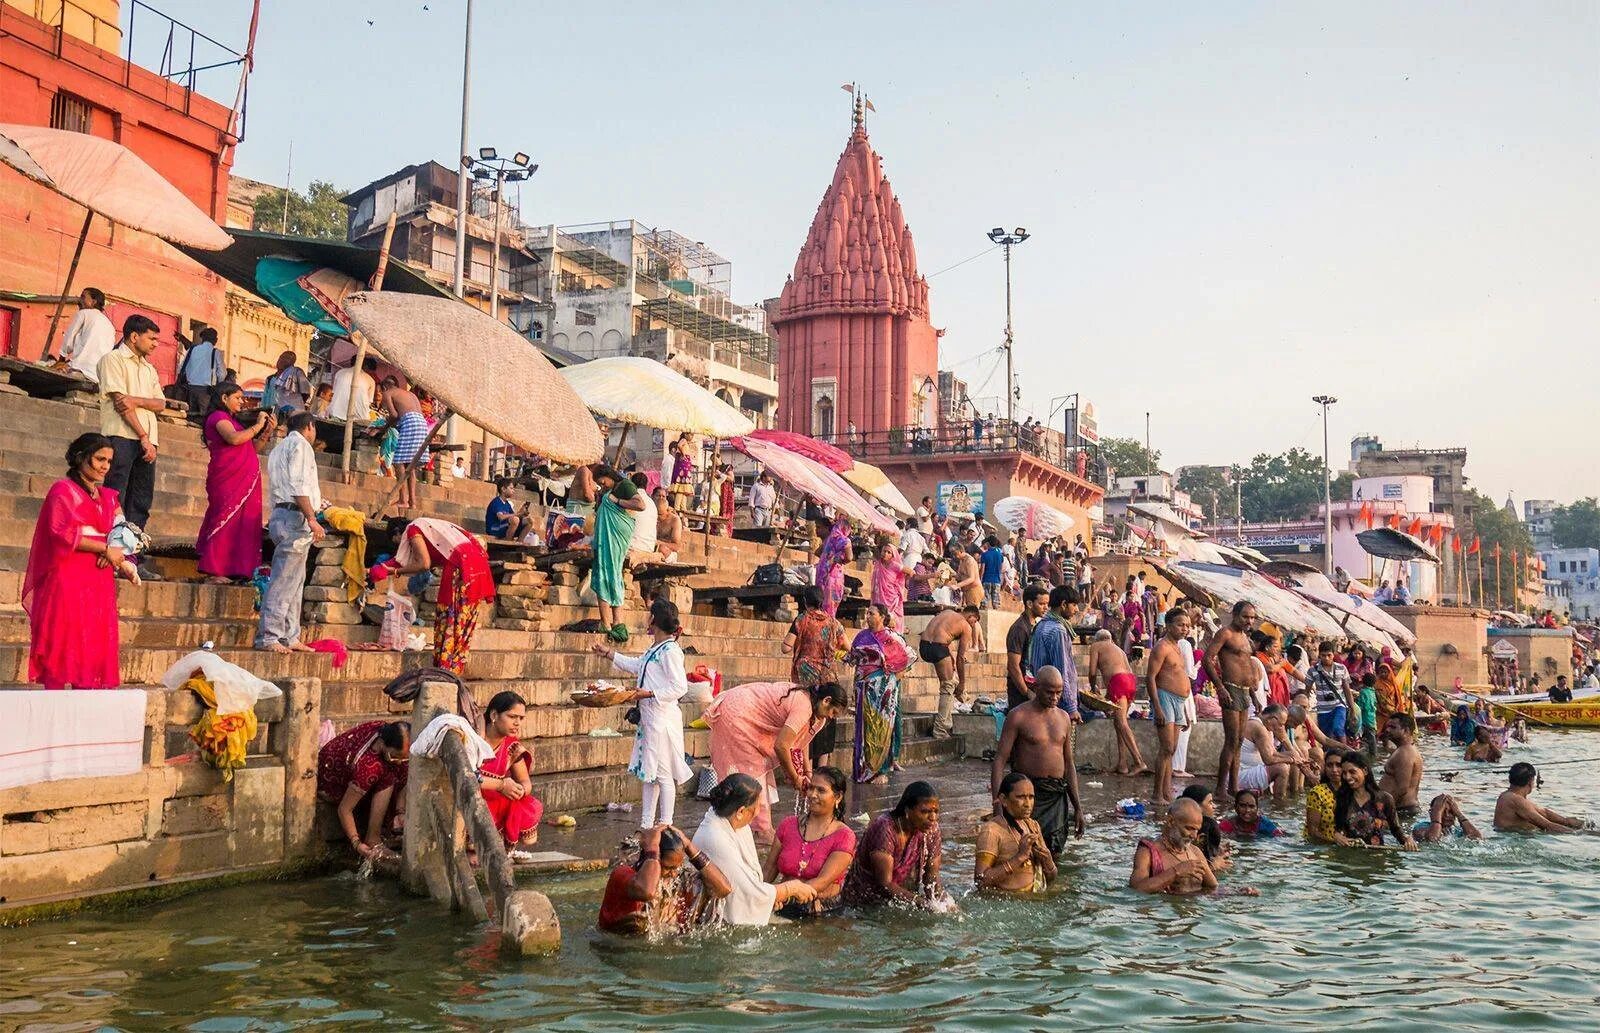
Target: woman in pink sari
(762,728)
(69,591)
(229,542)
(889,575)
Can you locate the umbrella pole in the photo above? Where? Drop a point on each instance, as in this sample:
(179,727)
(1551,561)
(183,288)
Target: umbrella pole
(361,357)
(622,441)
(66,289)
(711,480)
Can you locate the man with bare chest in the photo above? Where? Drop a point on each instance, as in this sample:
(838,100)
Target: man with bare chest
(1036,740)
(1229,663)
(944,644)
(403,412)
(1167,681)
(1402,772)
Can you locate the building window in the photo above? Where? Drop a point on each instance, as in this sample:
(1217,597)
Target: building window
(822,419)
(70,113)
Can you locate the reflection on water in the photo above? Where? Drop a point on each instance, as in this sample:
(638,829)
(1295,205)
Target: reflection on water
(1493,935)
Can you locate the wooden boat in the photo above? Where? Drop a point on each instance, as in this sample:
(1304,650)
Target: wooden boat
(1582,712)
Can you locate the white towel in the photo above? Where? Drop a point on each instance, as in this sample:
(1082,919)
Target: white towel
(431,738)
(49,735)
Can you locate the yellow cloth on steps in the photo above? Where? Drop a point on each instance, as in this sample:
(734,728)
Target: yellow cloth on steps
(222,738)
(352,522)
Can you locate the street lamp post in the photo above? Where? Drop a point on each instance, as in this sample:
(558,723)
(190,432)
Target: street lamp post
(459,284)
(1007,239)
(1327,489)
(489,165)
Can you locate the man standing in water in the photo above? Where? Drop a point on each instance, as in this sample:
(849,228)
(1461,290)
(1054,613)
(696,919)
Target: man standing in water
(1229,663)
(1515,812)
(1402,772)
(944,644)
(1036,740)
(1110,675)
(1167,680)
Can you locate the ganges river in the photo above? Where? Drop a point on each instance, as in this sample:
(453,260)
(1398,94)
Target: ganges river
(1495,935)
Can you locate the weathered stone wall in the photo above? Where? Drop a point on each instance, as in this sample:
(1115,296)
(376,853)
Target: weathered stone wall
(174,820)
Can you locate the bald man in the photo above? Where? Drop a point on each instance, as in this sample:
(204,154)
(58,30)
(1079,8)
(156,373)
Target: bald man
(1173,863)
(1036,740)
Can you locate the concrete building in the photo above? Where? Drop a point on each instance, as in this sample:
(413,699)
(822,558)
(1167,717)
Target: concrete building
(859,363)
(60,67)
(1444,467)
(1538,516)
(1156,487)
(1577,571)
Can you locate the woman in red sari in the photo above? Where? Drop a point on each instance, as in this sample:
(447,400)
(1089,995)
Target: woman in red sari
(69,591)
(507,789)
(229,542)
(464,582)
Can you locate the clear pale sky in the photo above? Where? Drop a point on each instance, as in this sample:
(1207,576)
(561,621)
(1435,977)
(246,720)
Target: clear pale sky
(1234,206)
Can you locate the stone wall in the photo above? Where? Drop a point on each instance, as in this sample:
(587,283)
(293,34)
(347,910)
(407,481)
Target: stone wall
(1546,652)
(1452,642)
(175,820)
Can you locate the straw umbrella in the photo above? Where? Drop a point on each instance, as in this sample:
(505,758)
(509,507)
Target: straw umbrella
(480,368)
(109,180)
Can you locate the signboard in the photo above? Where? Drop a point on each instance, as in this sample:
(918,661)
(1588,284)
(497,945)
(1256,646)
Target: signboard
(1393,490)
(961,498)
(1088,428)
(1281,541)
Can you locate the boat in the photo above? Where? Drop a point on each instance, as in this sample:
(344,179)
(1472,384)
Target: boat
(1582,712)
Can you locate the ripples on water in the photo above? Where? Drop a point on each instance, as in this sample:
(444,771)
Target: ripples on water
(1495,935)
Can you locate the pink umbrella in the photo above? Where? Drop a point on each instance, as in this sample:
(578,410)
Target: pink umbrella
(810,477)
(831,456)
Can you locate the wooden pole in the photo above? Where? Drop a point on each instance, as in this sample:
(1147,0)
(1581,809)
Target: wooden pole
(711,480)
(1481,599)
(1497,582)
(405,471)
(622,441)
(361,355)
(66,288)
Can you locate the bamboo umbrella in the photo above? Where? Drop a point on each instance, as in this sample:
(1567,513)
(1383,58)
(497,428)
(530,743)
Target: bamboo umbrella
(108,180)
(480,368)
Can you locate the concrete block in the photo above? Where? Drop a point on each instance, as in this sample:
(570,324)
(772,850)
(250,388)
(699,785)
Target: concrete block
(325,594)
(529,925)
(537,592)
(525,577)
(79,792)
(258,800)
(183,816)
(333,613)
(331,576)
(73,827)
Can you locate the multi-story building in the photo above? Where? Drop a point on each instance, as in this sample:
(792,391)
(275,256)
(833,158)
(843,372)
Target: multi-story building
(66,66)
(1444,467)
(1156,487)
(1579,571)
(1538,516)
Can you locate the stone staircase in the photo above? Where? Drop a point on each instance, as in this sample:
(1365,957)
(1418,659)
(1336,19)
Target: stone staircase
(163,621)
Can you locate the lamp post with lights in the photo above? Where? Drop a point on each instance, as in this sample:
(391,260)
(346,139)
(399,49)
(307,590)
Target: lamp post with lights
(486,166)
(1008,239)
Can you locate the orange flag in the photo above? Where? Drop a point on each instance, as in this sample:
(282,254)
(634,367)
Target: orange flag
(1436,534)
(1455,543)
(1477,544)
(1394,521)
(1415,528)
(1367,514)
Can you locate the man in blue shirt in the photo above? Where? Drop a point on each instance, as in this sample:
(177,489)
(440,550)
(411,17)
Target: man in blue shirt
(502,520)
(1052,645)
(992,561)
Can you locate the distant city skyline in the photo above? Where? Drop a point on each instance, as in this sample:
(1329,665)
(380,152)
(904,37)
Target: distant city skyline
(1234,207)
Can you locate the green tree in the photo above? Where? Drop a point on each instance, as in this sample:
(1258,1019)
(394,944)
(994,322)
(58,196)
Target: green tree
(1211,487)
(1492,526)
(316,213)
(1577,526)
(1127,457)
(1288,486)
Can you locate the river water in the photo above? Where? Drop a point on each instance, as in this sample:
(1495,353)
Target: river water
(1493,935)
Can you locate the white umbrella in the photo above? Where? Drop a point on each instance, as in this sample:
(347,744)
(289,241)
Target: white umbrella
(876,483)
(1031,517)
(643,391)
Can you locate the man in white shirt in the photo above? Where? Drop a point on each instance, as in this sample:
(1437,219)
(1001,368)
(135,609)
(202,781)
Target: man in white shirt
(912,546)
(763,496)
(364,388)
(642,545)
(203,368)
(296,501)
(90,335)
(925,516)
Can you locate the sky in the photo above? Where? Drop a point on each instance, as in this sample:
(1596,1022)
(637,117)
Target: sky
(1233,206)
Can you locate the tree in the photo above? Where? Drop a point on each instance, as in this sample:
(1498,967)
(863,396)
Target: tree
(1577,526)
(1126,457)
(1492,526)
(1288,486)
(316,213)
(1211,487)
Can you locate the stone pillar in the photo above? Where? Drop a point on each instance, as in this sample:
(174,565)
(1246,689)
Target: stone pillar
(297,744)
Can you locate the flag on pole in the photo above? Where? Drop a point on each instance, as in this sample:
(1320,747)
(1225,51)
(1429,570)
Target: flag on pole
(1394,521)
(1415,528)
(1497,550)
(1455,543)
(1477,544)
(1436,533)
(1367,514)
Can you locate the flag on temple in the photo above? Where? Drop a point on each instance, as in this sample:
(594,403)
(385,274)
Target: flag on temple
(1394,521)
(1455,543)
(1436,533)
(1415,528)
(1477,544)
(1367,514)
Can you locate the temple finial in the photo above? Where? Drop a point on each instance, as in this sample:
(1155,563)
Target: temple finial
(859,105)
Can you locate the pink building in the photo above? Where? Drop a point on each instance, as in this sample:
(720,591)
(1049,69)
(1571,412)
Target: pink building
(856,347)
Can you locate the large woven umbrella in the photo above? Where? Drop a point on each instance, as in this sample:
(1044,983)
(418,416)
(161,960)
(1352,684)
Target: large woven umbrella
(1031,517)
(480,368)
(108,180)
(812,478)
(1228,586)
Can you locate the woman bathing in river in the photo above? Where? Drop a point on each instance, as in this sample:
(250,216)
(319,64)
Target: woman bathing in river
(1012,854)
(655,895)
(898,859)
(815,848)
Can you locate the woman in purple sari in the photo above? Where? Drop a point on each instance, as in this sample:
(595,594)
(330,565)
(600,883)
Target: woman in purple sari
(836,554)
(879,656)
(229,542)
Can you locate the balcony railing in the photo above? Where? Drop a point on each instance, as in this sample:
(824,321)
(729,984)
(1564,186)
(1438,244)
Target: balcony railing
(1000,437)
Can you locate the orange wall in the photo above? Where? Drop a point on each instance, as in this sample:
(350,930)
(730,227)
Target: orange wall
(183,136)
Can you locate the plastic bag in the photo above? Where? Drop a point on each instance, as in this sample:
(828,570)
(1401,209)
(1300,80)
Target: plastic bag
(398,613)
